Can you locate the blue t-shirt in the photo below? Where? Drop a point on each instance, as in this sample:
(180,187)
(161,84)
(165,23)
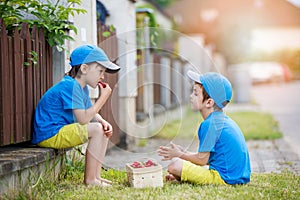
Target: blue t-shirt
(55,109)
(221,136)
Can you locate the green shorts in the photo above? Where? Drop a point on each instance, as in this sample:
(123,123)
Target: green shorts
(68,136)
(200,175)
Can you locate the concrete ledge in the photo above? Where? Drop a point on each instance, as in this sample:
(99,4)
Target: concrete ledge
(21,167)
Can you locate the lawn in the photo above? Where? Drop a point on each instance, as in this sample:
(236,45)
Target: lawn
(262,186)
(255,125)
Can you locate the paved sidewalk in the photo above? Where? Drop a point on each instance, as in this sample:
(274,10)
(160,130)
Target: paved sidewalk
(266,156)
(272,156)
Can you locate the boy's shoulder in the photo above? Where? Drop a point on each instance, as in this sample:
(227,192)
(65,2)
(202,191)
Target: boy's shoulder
(67,81)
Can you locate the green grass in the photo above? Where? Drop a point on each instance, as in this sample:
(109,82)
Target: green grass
(255,126)
(185,128)
(262,186)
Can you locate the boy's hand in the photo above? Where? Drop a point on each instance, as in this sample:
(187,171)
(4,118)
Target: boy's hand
(105,90)
(169,152)
(180,148)
(107,127)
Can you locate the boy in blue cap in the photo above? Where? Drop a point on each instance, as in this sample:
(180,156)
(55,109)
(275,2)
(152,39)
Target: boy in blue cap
(222,145)
(65,116)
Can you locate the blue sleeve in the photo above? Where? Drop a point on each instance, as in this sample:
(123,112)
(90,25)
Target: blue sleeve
(73,98)
(87,102)
(209,133)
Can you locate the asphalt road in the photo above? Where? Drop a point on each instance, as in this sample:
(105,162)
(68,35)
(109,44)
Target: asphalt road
(283,101)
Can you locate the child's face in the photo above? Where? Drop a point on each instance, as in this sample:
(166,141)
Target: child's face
(95,73)
(196,98)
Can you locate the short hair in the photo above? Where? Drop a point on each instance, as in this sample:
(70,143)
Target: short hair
(74,71)
(206,96)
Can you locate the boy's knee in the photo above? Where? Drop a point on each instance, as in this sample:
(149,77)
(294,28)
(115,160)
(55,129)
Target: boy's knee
(175,166)
(95,128)
(98,126)
(171,168)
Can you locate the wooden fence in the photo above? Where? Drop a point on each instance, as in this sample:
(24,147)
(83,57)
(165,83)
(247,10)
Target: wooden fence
(21,82)
(110,110)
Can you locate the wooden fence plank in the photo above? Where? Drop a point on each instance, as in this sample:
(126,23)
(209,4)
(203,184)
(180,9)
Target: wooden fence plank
(10,100)
(22,92)
(42,65)
(157,83)
(5,92)
(17,85)
(36,75)
(49,65)
(28,71)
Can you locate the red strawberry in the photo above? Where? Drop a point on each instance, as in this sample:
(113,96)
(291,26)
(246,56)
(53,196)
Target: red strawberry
(137,164)
(102,84)
(150,163)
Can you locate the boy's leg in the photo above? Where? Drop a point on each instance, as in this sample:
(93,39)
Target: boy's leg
(200,175)
(98,173)
(175,168)
(187,171)
(95,153)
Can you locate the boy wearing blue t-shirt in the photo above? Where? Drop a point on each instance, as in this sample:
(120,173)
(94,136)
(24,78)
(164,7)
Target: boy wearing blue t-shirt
(222,145)
(65,116)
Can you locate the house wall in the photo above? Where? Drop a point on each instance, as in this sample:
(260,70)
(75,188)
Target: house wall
(162,20)
(123,18)
(86,29)
(86,25)
(191,49)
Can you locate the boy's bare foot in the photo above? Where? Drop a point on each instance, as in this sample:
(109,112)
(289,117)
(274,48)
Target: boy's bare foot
(171,178)
(104,180)
(98,183)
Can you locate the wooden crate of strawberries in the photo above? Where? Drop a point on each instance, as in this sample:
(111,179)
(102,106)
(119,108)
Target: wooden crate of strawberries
(144,174)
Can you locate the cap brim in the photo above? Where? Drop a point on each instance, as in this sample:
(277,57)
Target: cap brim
(194,76)
(110,67)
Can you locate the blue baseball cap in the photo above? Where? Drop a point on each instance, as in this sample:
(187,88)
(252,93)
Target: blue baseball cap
(216,85)
(91,53)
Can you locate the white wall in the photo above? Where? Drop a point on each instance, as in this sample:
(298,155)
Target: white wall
(191,48)
(86,29)
(86,25)
(123,18)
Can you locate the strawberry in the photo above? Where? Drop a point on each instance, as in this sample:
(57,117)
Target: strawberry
(150,163)
(137,164)
(102,84)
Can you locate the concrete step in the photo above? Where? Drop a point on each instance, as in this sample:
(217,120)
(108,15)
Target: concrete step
(22,166)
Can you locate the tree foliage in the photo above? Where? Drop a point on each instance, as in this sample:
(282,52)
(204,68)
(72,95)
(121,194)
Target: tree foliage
(162,3)
(52,16)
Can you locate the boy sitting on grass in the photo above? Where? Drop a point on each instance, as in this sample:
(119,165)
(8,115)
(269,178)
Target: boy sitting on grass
(222,144)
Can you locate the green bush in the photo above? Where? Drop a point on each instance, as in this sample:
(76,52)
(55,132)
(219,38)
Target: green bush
(51,16)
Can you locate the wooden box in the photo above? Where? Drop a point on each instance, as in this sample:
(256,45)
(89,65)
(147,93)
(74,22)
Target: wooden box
(145,177)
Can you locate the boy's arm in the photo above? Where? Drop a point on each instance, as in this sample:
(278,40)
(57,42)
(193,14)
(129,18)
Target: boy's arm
(200,158)
(97,118)
(85,116)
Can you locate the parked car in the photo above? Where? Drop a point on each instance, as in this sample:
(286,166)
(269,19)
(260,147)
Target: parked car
(264,72)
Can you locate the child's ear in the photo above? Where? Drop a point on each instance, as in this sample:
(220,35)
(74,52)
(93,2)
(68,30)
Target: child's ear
(210,102)
(83,68)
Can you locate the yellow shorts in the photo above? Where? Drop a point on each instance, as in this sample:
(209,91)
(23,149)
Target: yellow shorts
(200,175)
(68,136)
